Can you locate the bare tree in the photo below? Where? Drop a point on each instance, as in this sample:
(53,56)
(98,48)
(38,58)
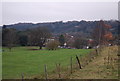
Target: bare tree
(9,37)
(79,42)
(101,33)
(38,36)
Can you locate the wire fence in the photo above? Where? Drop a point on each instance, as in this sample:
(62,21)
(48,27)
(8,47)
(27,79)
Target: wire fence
(77,62)
(63,70)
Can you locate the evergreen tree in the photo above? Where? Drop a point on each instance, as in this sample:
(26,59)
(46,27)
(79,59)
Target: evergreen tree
(61,40)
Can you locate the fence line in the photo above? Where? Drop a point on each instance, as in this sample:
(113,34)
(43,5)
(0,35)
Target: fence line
(45,68)
(80,62)
(71,65)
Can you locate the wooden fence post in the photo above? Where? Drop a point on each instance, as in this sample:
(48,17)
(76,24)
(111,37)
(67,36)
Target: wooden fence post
(22,76)
(105,61)
(96,51)
(45,68)
(71,64)
(58,70)
(78,62)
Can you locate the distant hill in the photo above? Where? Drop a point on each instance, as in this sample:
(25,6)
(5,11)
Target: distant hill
(66,27)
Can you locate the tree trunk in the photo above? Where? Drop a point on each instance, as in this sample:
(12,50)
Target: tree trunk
(40,47)
(10,49)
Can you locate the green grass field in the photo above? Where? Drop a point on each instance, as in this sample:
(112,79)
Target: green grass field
(31,62)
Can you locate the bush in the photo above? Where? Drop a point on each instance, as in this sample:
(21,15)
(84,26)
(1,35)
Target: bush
(52,45)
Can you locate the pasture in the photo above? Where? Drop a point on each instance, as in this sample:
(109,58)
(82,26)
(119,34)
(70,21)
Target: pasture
(31,62)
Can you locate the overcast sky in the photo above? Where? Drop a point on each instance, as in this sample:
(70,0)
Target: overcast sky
(36,12)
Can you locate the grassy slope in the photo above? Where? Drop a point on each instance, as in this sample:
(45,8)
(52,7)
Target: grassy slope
(29,62)
(97,69)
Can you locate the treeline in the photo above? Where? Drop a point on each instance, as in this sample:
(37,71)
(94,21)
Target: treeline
(60,27)
(32,37)
(100,35)
(43,36)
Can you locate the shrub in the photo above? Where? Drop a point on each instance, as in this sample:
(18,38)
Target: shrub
(52,45)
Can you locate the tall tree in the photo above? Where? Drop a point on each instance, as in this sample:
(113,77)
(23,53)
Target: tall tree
(38,36)
(101,33)
(9,37)
(62,40)
(23,38)
(79,42)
